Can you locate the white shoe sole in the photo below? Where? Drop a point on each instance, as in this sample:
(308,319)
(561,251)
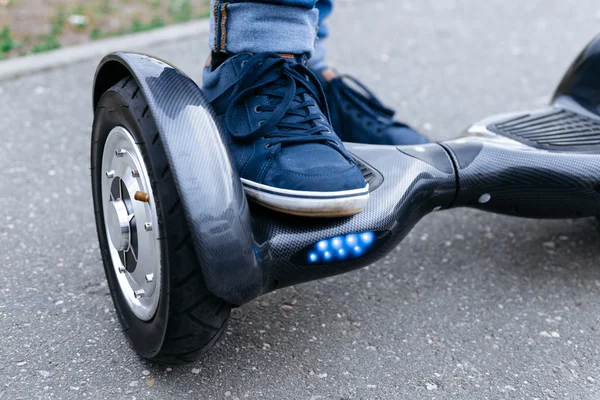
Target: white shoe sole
(308,204)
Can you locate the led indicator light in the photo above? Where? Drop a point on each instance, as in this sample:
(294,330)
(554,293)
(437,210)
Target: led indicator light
(351,240)
(341,247)
(367,237)
(337,243)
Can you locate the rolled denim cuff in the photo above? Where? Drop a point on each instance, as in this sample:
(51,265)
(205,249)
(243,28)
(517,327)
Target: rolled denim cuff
(257,27)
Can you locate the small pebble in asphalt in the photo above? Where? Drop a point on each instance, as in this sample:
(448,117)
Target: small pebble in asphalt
(549,334)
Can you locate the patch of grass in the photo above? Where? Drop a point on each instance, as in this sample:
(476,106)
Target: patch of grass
(135,27)
(79,10)
(96,34)
(49,42)
(59,23)
(104,8)
(180,10)
(204,14)
(7,43)
(138,26)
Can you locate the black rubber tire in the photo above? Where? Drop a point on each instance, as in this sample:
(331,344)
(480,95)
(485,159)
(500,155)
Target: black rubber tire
(189,319)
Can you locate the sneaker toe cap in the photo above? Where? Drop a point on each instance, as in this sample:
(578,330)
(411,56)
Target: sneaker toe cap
(326,181)
(319,170)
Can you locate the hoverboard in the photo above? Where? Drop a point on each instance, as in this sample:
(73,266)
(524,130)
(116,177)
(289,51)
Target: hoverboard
(181,245)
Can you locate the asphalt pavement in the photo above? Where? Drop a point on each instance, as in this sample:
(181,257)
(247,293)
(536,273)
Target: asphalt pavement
(469,306)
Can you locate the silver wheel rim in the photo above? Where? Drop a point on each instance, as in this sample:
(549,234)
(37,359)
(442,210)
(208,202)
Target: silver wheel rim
(131,223)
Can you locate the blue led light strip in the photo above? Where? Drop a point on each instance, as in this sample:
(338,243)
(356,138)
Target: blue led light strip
(341,248)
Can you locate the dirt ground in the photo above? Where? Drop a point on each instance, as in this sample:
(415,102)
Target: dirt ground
(31,26)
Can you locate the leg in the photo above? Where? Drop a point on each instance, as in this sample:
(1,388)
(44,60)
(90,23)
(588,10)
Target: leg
(274,109)
(317,62)
(280,26)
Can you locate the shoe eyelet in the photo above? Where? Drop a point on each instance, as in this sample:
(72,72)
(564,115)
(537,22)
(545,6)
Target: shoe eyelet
(258,109)
(244,63)
(337,144)
(327,131)
(261,122)
(321,119)
(268,146)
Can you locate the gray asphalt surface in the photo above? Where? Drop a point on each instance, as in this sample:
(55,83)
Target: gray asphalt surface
(470,306)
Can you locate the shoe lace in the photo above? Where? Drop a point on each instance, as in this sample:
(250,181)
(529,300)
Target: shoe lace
(285,84)
(366,102)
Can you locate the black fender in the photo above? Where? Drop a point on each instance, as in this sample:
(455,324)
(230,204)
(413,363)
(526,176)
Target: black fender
(205,175)
(579,89)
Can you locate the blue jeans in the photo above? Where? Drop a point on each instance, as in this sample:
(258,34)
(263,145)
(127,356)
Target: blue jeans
(281,26)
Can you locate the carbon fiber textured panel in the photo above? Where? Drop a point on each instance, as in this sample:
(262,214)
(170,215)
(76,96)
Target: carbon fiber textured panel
(554,129)
(410,189)
(523,181)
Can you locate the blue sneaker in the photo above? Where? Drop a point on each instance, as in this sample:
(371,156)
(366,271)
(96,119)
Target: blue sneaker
(360,117)
(285,149)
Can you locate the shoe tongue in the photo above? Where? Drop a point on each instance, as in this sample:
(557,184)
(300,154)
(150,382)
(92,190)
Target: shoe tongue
(292,58)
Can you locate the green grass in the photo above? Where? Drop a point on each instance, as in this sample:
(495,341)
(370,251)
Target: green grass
(58,24)
(156,14)
(180,10)
(7,43)
(47,43)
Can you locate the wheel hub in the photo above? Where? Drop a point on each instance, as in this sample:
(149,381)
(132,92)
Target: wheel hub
(129,218)
(117,222)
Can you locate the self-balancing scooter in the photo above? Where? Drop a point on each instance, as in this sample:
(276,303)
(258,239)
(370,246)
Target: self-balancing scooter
(182,246)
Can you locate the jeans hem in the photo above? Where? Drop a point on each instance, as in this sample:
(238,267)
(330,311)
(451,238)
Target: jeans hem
(257,27)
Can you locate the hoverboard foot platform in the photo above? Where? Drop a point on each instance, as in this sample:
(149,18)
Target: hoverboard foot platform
(554,129)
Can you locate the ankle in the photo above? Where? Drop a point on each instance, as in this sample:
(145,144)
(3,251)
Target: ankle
(216,58)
